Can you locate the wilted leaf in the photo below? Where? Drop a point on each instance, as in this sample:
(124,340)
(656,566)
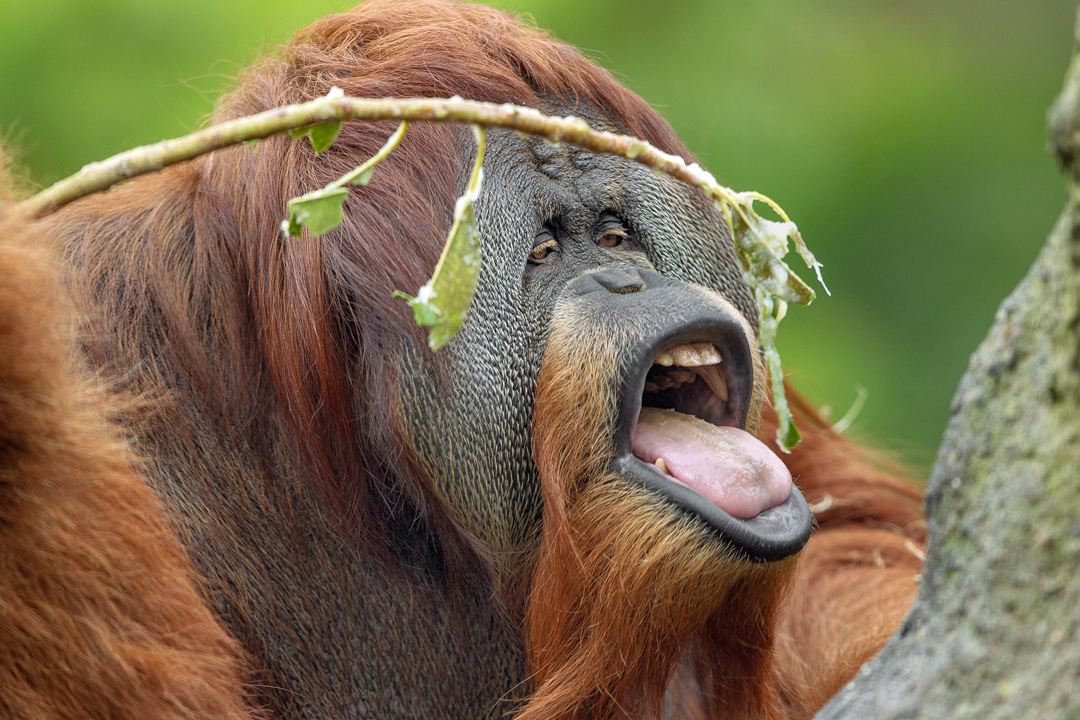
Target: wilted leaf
(319,211)
(322,135)
(444,301)
(760,245)
(787,435)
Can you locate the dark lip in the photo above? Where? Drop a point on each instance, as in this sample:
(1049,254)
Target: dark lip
(777,533)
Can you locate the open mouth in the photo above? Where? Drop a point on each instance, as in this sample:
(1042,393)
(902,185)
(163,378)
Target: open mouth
(673,383)
(683,420)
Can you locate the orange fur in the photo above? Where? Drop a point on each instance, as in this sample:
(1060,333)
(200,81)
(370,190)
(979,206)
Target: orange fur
(637,611)
(100,612)
(634,609)
(858,574)
(627,589)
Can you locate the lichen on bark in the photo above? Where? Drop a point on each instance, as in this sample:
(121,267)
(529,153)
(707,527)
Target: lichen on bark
(995,630)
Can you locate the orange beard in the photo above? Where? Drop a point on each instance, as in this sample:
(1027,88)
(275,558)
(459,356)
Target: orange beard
(636,608)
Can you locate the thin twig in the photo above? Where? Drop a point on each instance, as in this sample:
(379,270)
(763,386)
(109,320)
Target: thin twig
(102,175)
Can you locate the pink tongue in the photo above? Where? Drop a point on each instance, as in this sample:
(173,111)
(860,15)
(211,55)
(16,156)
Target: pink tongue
(730,467)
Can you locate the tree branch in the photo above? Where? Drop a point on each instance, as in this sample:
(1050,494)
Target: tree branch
(102,175)
(760,244)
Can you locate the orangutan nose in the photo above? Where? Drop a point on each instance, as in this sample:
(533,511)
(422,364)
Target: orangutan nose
(620,281)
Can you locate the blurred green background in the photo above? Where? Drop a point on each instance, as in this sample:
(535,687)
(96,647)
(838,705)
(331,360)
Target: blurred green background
(907,139)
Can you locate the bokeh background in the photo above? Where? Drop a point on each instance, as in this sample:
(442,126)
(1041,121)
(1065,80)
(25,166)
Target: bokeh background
(907,139)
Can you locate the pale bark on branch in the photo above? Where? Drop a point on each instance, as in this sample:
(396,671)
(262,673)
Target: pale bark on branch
(99,176)
(995,630)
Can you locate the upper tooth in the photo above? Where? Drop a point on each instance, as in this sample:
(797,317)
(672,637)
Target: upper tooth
(711,375)
(690,355)
(686,356)
(708,353)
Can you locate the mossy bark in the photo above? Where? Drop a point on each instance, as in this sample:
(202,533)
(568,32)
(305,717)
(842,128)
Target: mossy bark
(995,630)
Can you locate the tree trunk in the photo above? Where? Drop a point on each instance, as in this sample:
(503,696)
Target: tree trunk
(995,630)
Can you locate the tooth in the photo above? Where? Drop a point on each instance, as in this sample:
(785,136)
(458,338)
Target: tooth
(686,356)
(708,353)
(690,355)
(651,387)
(711,375)
(663,382)
(662,466)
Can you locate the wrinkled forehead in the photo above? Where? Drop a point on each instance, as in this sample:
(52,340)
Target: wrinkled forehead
(531,184)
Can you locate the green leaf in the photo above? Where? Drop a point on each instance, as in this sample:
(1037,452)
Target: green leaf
(792,437)
(787,435)
(365,176)
(291,226)
(322,135)
(426,315)
(318,210)
(453,284)
(444,301)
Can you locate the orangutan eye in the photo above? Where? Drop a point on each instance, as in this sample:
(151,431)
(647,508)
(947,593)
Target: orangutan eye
(612,237)
(545,247)
(612,232)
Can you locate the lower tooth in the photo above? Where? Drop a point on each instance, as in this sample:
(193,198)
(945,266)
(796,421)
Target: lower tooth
(662,466)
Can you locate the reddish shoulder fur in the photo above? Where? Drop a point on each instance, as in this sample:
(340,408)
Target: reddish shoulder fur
(102,615)
(859,573)
(312,324)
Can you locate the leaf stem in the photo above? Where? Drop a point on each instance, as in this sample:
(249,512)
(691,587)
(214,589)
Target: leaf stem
(477,175)
(374,160)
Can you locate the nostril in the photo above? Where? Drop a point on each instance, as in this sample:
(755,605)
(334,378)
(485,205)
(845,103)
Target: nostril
(619,281)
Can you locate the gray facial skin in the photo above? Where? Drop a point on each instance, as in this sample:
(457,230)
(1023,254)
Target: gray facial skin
(535,192)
